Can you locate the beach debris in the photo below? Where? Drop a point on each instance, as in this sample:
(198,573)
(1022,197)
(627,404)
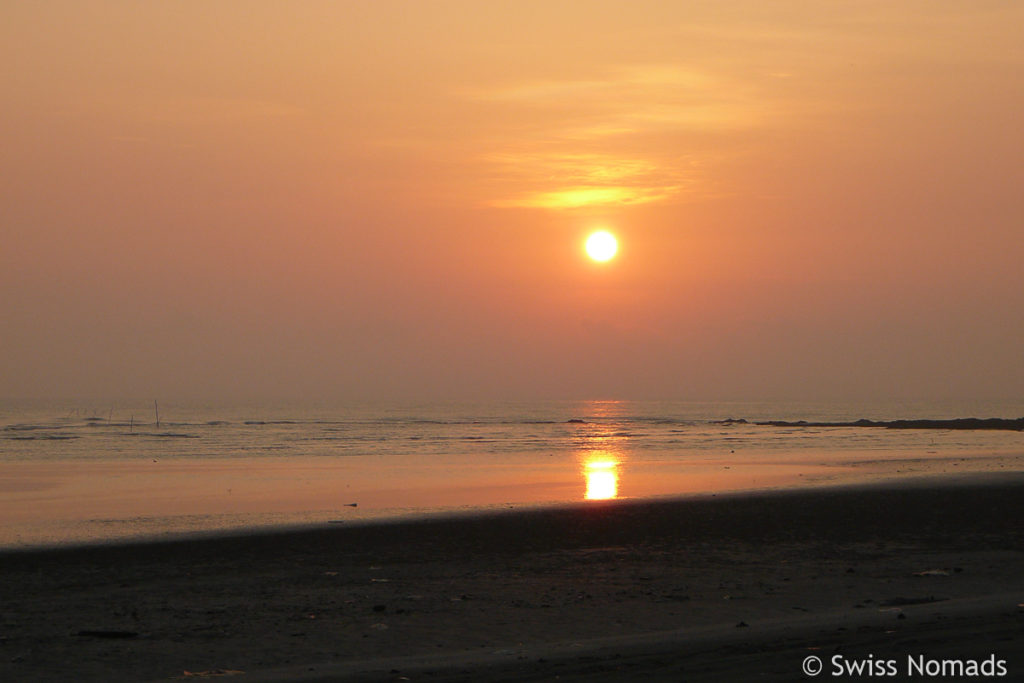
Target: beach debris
(742,624)
(933,572)
(330,573)
(108,634)
(212,673)
(351,505)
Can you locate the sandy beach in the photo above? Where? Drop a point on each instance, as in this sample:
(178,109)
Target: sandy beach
(725,587)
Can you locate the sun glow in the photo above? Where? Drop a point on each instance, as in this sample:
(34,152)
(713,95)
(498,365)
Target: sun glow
(602,246)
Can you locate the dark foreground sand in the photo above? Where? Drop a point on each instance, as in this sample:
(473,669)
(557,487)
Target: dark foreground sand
(724,588)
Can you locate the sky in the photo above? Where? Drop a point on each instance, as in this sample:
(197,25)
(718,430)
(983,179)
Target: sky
(389,200)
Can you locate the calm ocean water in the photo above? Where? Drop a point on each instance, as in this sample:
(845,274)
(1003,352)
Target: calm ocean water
(40,431)
(82,472)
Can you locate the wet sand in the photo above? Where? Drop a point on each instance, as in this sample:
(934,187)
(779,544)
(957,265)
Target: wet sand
(55,502)
(727,587)
(60,502)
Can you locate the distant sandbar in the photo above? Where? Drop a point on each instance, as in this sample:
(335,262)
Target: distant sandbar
(974,423)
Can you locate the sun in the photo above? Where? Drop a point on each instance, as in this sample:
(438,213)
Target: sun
(602,245)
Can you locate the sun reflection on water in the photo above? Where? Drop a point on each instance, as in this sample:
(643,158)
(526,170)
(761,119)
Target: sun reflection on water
(601,435)
(602,479)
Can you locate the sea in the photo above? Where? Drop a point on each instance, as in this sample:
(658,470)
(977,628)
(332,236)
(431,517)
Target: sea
(101,471)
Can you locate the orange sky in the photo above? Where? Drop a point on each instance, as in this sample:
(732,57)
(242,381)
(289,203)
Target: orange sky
(389,199)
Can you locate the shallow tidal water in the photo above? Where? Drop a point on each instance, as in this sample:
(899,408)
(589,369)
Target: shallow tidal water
(72,473)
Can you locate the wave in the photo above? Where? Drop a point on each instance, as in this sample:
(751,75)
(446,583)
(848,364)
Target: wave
(27,427)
